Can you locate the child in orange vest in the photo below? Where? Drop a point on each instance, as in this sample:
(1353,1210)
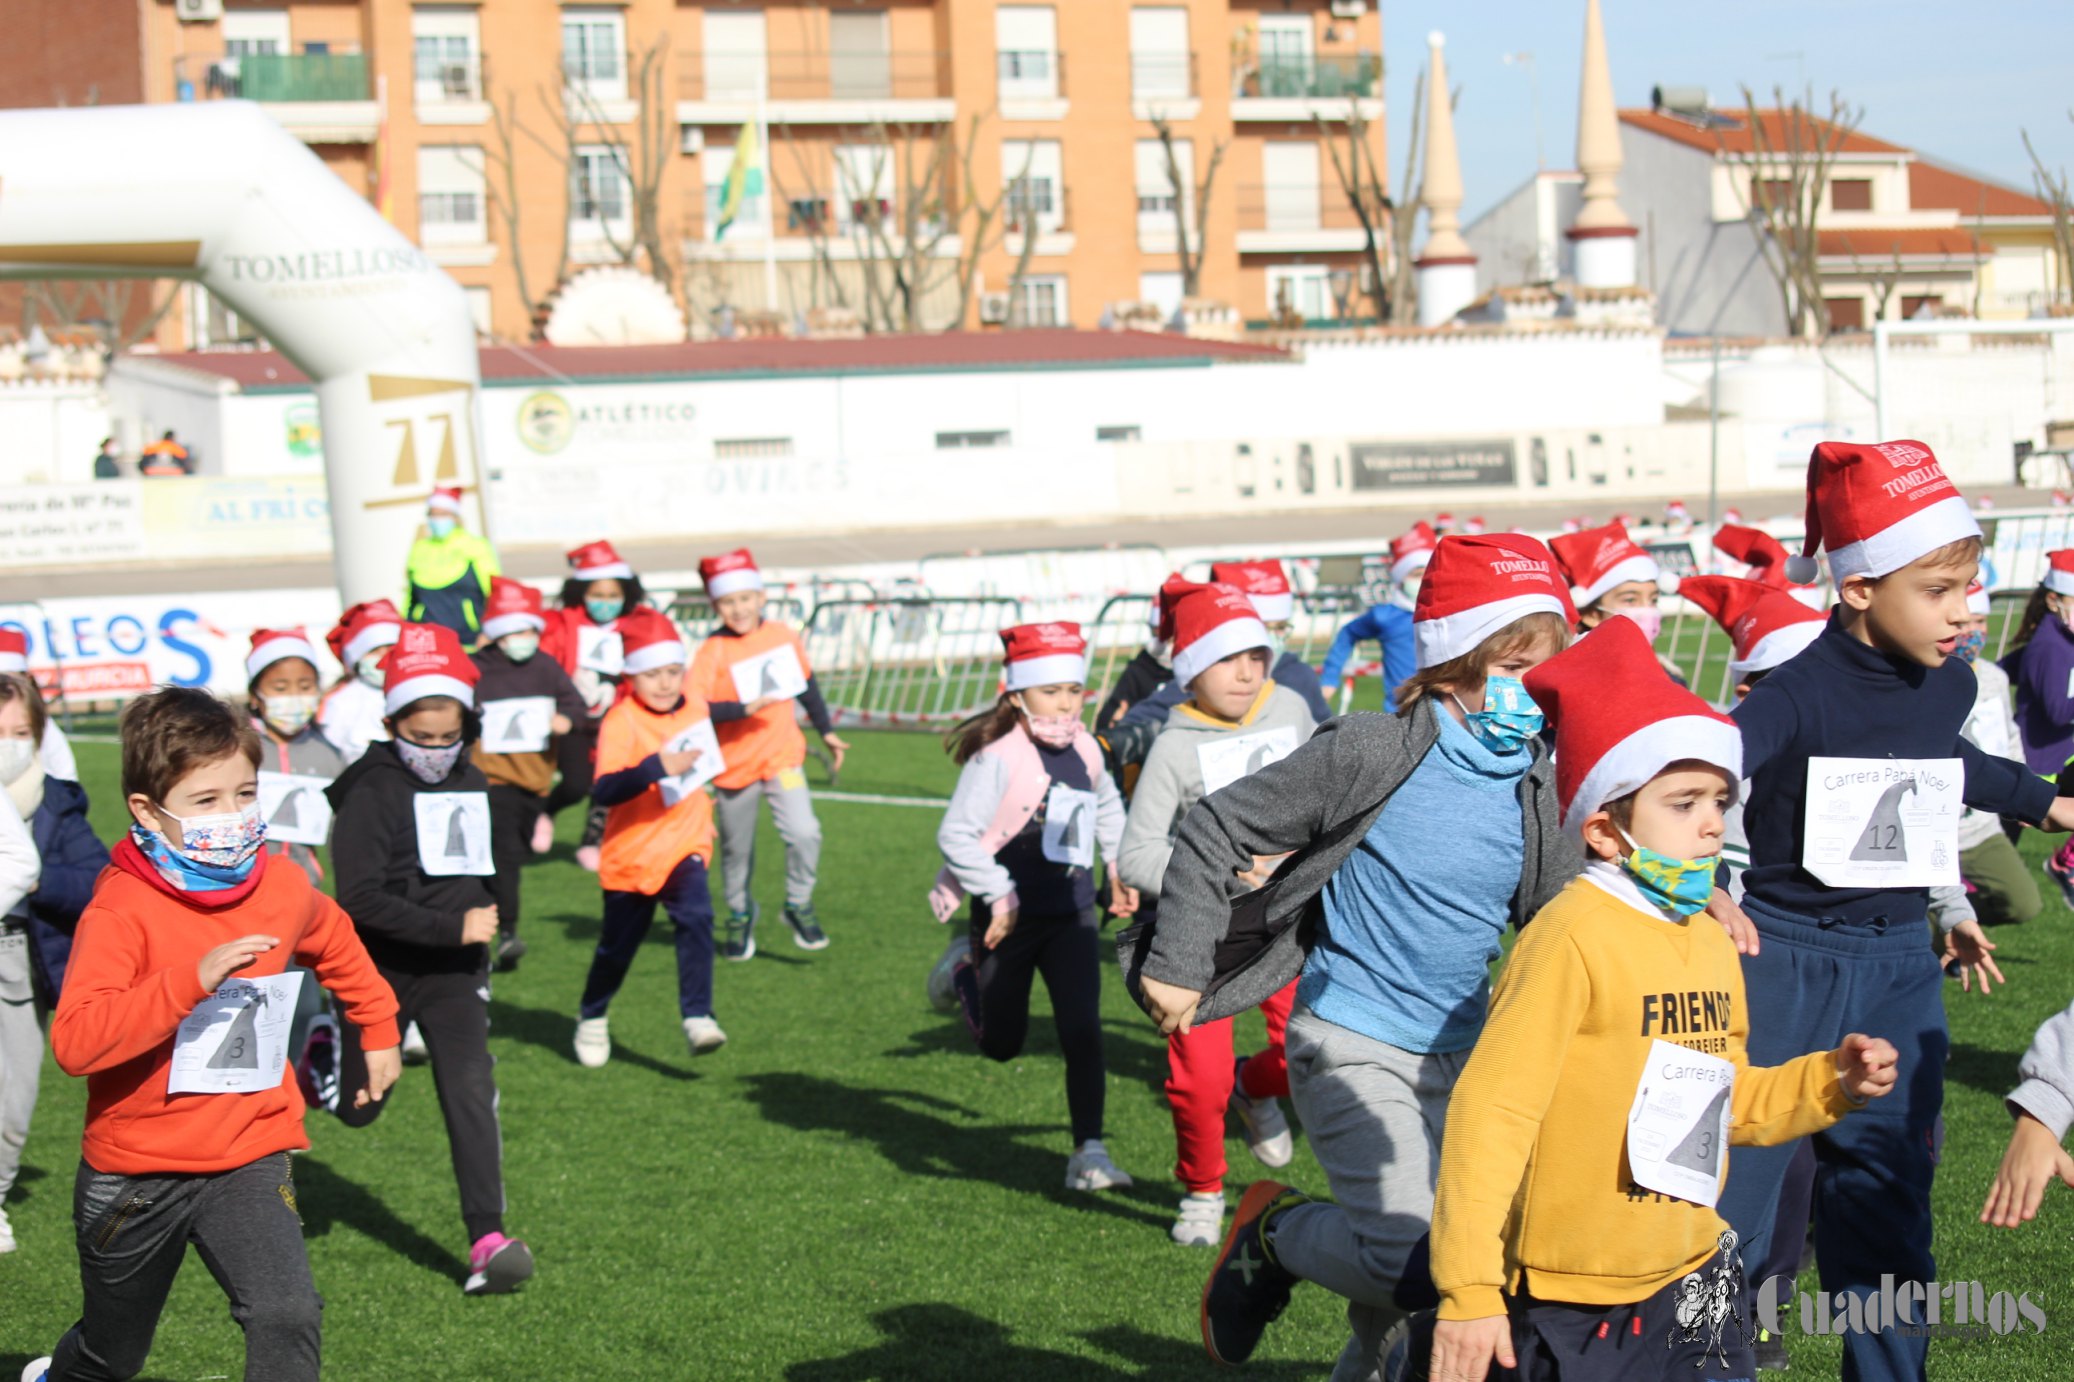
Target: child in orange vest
(658,835)
(749,672)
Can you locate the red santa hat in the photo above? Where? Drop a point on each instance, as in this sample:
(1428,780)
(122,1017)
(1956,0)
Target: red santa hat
(14,650)
(649,640)
(1476,585)
(428,660)
(1573,525)
(1262,582)
(1043,655)
(369,625)
(1676,512)
(1598,559)
(598,561)
(1731,515)
(513,607)
(2059,571)
(1620,720)
(1876,509)
(1977,600)
(1207,624)
(446,499)
(730,572)
(1766,624)
(1755,548)
(1411,552)
(271,645)
(1474,525)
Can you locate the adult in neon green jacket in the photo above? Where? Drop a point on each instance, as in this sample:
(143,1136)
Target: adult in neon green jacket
(448,579)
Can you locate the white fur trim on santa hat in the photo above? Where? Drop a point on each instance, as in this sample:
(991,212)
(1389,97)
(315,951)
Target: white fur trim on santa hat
(1630,764)
(1898,544)
(610,571)
(1057,669)
(1639,567)
(2058,582)
(442,502)
(1977,601)
(1775,648)
(1232,636)
(1410,562)
(1448,637)
(653,655)
(515,622)
(1274,609)
(13,662)
(370,638)
(273,650)
(418,688)
(728,582)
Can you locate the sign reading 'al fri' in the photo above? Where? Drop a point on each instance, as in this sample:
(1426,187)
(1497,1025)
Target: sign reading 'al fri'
(425,415)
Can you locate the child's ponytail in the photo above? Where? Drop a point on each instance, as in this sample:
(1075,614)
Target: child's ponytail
(2035,615)
(969,736)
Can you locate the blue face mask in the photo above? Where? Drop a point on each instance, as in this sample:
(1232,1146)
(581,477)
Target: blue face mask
(1509,717)
(1970,644)
(1684,886)
(604,611)
(440,526)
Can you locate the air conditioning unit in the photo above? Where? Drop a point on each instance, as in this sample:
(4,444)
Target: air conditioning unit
(198,11)
(691,139)
(1349,9)
(457,81)
(993,308)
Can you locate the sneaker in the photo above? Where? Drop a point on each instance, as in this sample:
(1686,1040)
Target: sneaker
(943,993)
(497,1264)
(1770,1352)
(1091,1169)
(1267,1129)
(593,1042)
(704,1034)
(738,938)
(37,1370)
(316,1069)
(587,858)
(7,1243)
(806,927)
(510,950)
(543,834)
(1247,1288)
(415,1051)
(1201,1220)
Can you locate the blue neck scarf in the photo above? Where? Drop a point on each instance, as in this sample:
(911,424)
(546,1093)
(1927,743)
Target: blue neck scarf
(184,873)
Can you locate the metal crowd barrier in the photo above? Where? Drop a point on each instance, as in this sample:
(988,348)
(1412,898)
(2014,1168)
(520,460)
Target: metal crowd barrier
(923,663)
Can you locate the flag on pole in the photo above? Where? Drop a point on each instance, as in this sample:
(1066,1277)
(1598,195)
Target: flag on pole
(744,179)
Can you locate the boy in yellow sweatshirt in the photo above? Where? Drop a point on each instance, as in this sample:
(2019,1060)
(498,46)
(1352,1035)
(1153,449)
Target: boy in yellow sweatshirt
(1574,1229)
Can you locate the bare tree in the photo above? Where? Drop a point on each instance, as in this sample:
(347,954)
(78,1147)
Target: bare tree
(2053,188)
(103,304)
(1783,186)
(640,159)
(1184,192)
(1402,308)
(501,180)
(1368,193)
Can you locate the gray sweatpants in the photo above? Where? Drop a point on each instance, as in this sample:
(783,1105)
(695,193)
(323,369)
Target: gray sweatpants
(133,1236)
(21,1053)
(1374,1115)
(792,812)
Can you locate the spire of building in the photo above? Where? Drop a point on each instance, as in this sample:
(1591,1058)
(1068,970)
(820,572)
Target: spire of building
(1447,266)
(1602,238)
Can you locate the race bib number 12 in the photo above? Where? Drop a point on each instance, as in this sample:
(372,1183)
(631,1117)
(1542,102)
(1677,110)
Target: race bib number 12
(1883,822)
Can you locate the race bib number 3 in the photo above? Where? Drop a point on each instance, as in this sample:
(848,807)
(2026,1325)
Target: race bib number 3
(294,807)
(236,1040)
(1069,826)
(775,674)
(1678,1126)
(1883,822)
(454,833)
(1225,760)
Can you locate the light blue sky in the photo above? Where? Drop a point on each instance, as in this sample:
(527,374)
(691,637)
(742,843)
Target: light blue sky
(1950,79)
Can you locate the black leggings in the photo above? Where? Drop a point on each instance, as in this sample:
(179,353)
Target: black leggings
(1067,951)
(512,813)
(573,754)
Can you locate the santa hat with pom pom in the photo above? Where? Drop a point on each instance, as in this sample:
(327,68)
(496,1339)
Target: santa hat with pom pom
(1876,509)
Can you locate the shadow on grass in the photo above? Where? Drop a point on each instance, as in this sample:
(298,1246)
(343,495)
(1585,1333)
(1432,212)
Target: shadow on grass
(11,1365)
(1977,1067)
(1133,1061)
(555,1031)
(327,1199)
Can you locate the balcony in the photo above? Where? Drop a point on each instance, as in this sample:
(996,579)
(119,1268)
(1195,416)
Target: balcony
(814,88)
(1163,85)
(1031,83)
(321,98)
(1302,86)
(843,229)
(1301,219)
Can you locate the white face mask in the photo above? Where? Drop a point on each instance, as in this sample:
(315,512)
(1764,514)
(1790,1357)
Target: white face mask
(369,669)
(290,714)
(520,647)
(15,757)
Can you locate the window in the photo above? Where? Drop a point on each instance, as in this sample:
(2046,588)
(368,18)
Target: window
(1130,433)
(479,308)
(1040,301)
(863,183)
(752,217)
(1285,55)
(956,441)
(1162,288)
(1850,194)
(594,53)
(860,56)
(1305,289)
(1160,61)
(597,194)
(1291,195)
(737,65)
(1845,314)
(1913,304)
(1772,192)
(754,448)
(450,196)
(1037,193)
(1156,191)
(1026,41)
(806,213)
(255,33)
(444,64)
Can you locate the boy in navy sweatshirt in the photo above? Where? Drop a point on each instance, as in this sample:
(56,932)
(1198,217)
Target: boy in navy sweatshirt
(1857,771)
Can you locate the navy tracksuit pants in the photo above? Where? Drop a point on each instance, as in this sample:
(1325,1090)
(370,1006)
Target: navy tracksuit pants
(685,897)
(1809,986)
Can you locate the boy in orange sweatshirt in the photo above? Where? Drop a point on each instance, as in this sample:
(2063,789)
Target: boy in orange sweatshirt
(176,1008)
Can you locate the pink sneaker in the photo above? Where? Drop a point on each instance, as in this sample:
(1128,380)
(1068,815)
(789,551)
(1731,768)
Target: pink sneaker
(497,1264)
(543,834)
(587,855)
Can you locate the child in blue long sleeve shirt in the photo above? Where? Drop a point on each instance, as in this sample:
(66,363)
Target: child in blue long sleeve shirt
(1387,621)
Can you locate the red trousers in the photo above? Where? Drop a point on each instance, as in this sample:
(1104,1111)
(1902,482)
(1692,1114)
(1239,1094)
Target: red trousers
(1200,1074)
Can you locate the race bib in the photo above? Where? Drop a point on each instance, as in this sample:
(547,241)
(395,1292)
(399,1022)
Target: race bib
(15,984)
(1069,826)
(710,765)
(294,807)
(599,650)
(454,833)
(1883,822)
(776,674)
(236,1040)
(1678,1126)
(1226,759)
(519,724)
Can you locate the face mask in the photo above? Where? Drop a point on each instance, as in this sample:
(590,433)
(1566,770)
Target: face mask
(1683,886)
(1648,616)
(1406,594)
(226,840)
(369,669)
(603,611)
(15,757)
(290,714)
(430,766)
(1509,717)
(520,647)
(1052,731)
(440,527)
(1970,644)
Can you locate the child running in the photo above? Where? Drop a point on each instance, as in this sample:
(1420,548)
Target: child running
(282,684)
(583,636)
(1574,1234)
(351,712)
(1032,802)
(412,848)
(1391,934)
(528,702)
(191,1112)
(54,748)
(1234,722)
(1387,621)
(1266,585)
(658,835)
(2040,665)
(1610,574)
(749,672)
(2002,891)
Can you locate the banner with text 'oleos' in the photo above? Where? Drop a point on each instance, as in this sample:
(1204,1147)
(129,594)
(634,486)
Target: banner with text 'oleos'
(113,647)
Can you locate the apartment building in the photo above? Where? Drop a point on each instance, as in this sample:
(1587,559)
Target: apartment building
(920,161)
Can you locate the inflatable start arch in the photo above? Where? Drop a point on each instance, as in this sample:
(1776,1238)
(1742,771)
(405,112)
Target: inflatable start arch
(220,194)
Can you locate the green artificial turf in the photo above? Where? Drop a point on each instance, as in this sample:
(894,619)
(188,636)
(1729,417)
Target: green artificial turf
(848,1191)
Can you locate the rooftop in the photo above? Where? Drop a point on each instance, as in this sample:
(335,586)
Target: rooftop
(1732,134)
(1874,244)
(1933,187)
